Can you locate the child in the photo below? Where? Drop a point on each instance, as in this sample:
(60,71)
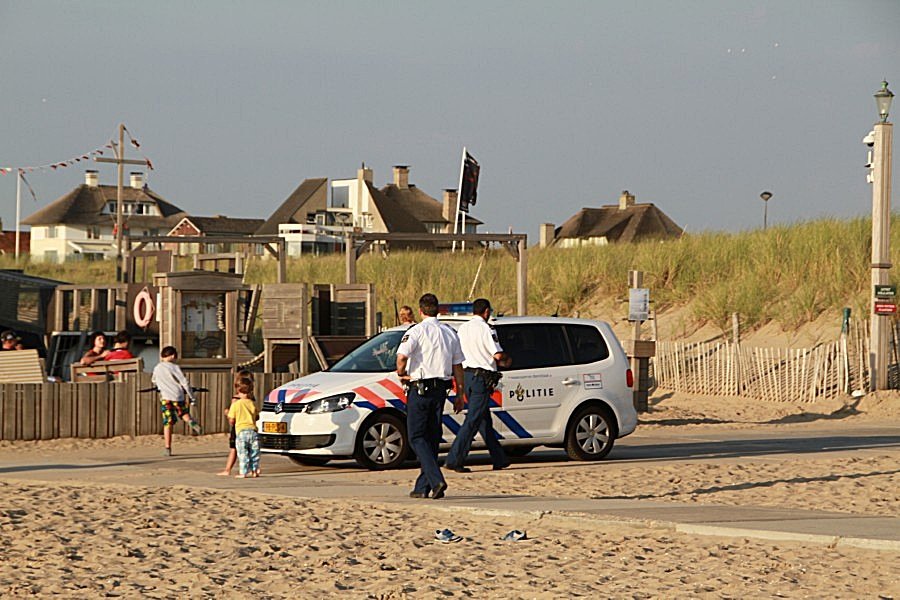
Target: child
(232,452)
(173,390)
(242,415)
(120,349)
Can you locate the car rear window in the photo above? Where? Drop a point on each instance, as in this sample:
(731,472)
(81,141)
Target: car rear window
(587,343)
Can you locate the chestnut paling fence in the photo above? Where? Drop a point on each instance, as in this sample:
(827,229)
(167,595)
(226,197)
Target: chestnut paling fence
(46,411)
(726,368)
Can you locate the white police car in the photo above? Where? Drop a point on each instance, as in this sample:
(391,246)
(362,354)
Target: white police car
(569,386)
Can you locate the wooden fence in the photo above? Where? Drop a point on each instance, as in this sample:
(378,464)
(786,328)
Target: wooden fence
(775,374)
(43,411)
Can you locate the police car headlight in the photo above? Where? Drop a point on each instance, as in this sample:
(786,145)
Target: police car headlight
(330,404)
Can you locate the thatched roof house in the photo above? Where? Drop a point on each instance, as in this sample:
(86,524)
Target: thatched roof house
(616,223)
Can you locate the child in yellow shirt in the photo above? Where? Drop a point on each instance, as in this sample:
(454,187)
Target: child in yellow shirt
(243,415)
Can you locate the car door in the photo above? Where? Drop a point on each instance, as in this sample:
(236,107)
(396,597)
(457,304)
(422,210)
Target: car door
(538,381)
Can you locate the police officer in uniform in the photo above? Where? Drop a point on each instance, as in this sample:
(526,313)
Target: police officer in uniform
(483,353)
(428,359)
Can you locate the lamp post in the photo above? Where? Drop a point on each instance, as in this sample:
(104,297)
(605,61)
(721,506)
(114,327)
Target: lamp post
(883,304)
(765,198)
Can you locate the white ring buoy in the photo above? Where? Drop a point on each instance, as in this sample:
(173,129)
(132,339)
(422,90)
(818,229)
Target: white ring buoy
(143,308)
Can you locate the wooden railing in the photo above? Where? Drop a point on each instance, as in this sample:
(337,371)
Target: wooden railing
(108,409)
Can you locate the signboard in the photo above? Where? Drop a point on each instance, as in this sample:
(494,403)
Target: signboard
(638,304)
(885,308)
(886,291)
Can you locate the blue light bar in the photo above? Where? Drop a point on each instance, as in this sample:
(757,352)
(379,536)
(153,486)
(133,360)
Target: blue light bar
(455,308)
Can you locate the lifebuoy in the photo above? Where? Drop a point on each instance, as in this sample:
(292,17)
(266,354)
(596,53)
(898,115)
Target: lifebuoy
(143,308)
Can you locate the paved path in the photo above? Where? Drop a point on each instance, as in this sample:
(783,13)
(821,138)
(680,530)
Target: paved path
(145,466)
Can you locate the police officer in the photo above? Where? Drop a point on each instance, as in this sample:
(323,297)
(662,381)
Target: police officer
(483,353)
(428,357)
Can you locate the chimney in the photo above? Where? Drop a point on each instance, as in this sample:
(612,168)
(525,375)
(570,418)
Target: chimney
(364,174)
(137,180)
(448,211)
(547,234)
(401,176)
(91,178)
(626,200)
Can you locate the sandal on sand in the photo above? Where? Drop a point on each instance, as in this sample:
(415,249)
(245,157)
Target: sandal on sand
(195,427)
(514,536)
(446,536)
(167,452)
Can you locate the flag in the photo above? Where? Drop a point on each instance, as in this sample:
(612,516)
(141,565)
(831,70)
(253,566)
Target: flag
(469,192)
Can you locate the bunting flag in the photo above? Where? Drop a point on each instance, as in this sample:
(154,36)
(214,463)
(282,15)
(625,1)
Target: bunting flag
(469,192)
(28,185)
(100,151)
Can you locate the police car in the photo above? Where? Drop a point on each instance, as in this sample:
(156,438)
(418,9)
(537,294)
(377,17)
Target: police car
(569,386)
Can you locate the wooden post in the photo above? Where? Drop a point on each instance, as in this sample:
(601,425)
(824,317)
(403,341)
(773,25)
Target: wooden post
(350,254)
(522,278)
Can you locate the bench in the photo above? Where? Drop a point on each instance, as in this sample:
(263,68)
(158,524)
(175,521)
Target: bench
(22,366)
(105,370)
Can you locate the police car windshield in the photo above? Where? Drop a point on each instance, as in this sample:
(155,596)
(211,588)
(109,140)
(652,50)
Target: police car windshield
(376,355)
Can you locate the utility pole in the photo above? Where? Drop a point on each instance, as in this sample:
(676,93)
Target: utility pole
(121,161)
(18,210)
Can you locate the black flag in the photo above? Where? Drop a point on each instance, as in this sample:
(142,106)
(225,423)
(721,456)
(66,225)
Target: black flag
(469,192)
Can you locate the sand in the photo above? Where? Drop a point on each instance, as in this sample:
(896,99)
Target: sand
(103,541)
(92,540)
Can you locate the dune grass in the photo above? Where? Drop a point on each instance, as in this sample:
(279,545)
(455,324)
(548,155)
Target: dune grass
(790,274)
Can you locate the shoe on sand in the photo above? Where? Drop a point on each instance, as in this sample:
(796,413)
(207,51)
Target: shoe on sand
(514,536)
(195,427)
(446,536)
(167,452)
(438,492)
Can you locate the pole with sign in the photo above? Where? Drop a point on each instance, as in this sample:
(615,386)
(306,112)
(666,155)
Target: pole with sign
(639,352)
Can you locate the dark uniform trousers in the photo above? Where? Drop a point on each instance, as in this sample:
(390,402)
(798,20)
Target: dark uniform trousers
(478,420)
(423,426)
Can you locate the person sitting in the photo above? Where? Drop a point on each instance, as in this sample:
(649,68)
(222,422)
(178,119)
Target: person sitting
(10,341)
(120,347)
(98,349)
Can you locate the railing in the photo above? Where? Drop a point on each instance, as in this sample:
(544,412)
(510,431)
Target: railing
(108,409)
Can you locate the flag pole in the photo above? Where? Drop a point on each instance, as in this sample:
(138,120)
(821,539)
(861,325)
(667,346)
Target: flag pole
(18,209)
(457,212)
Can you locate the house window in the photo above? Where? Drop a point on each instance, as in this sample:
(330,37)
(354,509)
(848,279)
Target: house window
(93,232)
(111,208)
(340,197)
(51,231)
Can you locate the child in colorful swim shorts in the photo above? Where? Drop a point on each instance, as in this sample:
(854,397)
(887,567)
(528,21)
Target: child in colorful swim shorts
(243,415)
(174,392)
(232,436)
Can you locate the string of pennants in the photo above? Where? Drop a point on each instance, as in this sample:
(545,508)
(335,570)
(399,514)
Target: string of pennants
(109,146)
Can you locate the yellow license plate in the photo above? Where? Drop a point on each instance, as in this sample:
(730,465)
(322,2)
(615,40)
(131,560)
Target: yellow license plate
(271,427)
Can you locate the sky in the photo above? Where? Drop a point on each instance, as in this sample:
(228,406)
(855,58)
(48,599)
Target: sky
(696,106)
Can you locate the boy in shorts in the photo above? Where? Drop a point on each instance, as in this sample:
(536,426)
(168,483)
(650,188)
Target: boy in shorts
(174,390)
(232,436)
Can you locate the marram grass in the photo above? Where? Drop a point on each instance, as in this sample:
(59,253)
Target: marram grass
(790,274)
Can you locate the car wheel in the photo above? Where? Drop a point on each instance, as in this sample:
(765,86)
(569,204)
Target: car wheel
(517,451)
(591,434)
(382,443)
(309,461)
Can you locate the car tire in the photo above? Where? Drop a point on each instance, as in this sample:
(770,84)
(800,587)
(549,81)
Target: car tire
(382,442)
(309,461)
(591,433)
(517,451)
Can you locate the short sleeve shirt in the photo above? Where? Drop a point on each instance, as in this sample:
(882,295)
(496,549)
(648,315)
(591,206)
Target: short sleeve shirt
(243,411)
(432,349)
(479,344)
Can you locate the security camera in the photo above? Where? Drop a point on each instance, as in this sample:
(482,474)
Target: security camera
(869,140)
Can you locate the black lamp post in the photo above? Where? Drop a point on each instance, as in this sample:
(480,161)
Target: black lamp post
(765,198)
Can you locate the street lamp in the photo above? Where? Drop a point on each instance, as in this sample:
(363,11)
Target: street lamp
(884,301)
(765,198)
(883,98)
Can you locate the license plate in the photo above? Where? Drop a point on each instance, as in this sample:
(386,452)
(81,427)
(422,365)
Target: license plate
(273,427)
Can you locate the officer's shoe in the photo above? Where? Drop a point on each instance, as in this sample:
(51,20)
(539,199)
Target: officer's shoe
(438,492)
(415,494)
(460,469)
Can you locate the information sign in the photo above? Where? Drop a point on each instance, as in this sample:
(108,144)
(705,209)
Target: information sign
(638,304)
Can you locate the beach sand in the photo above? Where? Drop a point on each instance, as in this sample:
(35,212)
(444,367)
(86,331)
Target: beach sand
(91,540)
